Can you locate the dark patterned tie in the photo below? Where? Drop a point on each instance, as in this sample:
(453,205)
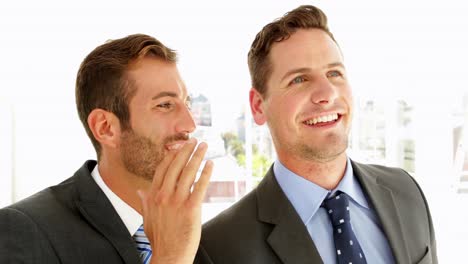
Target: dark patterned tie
(143,245)
(348,250)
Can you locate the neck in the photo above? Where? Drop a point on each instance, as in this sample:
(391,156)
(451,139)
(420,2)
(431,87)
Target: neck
(326,174)
(123,183)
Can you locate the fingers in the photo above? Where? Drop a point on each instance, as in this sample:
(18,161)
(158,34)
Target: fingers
(177,173)
(199,190)
(171,212)
(176,167)
(161,171)
(190,171)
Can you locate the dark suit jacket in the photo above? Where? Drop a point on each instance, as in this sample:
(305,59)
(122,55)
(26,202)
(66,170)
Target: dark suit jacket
(72,222)
(264,227)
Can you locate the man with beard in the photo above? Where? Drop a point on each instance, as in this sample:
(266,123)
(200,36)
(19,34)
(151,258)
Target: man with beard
(316,205)
(135,109)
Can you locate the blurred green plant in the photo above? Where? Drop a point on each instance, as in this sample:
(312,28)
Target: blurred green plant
(260,162)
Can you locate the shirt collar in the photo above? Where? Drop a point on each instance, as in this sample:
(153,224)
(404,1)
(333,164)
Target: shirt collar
(130,217)
(350,185)
(306,196)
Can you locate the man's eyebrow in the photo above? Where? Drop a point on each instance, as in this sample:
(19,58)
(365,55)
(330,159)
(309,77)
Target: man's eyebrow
(163,94)
(306,69)
(335,64)
(293,71)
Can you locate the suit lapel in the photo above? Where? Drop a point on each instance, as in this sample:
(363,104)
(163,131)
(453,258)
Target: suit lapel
(382,200)
(99,212)
(289,238)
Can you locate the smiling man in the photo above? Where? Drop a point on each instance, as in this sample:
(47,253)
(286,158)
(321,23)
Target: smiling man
(316,205)
(135,108)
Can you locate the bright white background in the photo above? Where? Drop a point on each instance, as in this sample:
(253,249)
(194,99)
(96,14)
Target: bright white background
(414,50)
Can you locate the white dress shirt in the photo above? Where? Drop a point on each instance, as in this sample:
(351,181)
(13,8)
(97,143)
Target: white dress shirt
(131,218)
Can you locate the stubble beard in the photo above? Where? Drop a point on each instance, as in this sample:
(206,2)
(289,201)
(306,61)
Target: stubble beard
(332,147)
(141,156)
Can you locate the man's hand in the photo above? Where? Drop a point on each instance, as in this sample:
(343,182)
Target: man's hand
(171,211)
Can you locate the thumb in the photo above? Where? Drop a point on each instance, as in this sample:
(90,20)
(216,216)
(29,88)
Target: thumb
(146,214)
(144,202)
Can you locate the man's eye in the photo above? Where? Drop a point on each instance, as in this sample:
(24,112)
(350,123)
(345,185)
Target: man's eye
(165,105)
(298,79)
(334,74)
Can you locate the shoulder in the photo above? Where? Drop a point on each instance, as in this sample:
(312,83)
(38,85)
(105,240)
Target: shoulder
(377,170)
(252,218)
(22,240)
(58,200)
(33,226)
(239,214)
(24,227)
(237,235)
(393,178)
(55,199)
(50,207)
(406,197)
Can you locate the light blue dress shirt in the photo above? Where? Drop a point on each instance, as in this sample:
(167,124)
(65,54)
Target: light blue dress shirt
(306,197)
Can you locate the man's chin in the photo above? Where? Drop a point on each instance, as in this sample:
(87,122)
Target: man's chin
(147,176)
(324,155)
(142,171)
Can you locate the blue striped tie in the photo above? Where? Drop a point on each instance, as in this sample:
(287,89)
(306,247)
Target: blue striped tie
(143,245)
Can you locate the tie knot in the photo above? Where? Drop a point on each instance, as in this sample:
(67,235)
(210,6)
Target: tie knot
(140,236)
(337,208)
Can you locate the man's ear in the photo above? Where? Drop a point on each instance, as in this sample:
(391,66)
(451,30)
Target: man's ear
(257,106)
(105,127)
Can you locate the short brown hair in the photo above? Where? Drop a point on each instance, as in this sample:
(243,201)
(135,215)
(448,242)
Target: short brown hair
(303,17)
(102,81)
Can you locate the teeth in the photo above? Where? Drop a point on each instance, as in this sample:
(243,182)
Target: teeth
(322,119)
(174,147)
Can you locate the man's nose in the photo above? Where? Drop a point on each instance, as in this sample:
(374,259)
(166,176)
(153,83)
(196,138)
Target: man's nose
(324,92)
(185,124)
